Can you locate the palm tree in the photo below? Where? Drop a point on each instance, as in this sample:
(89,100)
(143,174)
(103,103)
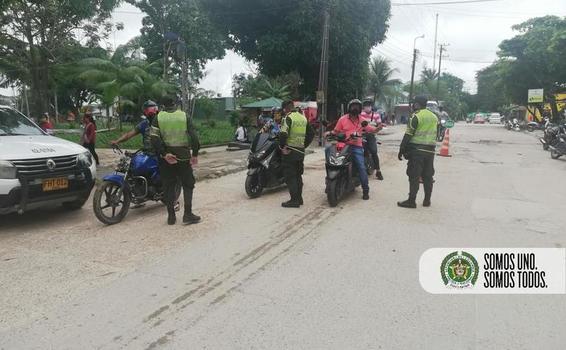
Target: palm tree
(381,85)
(274,88)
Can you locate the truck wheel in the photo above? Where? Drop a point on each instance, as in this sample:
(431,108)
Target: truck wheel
(253,185)
(110,203)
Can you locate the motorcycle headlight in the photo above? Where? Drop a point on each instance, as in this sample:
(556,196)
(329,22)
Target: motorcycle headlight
(337,160)
(84,160)
(7,170)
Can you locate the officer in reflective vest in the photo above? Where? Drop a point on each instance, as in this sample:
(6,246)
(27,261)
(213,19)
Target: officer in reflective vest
(418,147)
(173,137)
(296,134)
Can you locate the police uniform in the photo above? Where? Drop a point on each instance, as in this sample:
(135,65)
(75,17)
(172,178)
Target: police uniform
(296,134)
(173,132)
(419,150)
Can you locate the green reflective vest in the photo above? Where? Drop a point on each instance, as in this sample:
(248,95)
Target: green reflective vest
(173,128)
(297,132)
(426,131)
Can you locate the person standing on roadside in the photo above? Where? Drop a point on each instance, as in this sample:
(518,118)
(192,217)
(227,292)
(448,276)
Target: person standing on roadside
(88,138)
(371,142)
(418,147)
(295,135)
(173,137)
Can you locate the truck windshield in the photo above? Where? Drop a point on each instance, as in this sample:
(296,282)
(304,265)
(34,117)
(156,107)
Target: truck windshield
(13,123)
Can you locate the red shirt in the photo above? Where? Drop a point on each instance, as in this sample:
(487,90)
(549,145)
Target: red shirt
(349,125)
(46,125)
(90,133)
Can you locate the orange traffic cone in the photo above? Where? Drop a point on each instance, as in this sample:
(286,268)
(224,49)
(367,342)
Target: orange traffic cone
(445,145)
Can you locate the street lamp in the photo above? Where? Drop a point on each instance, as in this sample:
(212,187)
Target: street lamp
(413,70)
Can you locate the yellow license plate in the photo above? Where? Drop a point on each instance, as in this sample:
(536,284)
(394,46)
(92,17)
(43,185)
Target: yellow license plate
(60,183)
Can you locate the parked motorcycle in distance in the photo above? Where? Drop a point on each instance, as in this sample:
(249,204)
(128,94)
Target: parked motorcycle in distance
(264,166)
(136,180)
(341,174)
(532,126)
(558,146)
(550,135)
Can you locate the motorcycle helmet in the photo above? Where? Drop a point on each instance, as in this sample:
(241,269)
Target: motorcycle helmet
(355,102)
(150,109)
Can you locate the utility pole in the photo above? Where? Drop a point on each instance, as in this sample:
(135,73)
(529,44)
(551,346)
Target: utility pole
(322,93)
(442,48)
(435,42)
(413,69)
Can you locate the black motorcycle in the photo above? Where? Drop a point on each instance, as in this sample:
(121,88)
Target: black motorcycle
(550,135)
(558,146)
(543,125)
(264,166)
(341,173)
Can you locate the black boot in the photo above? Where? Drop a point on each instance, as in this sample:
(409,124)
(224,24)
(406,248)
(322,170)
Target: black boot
(301,202)
(379,175)
(426,202)
(409,203)
(291,204)
(190,218)
(365,196)
(171,217)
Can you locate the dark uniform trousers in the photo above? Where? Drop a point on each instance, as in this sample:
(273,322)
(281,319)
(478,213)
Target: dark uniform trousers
(293,169)
(171,174)
(420,165)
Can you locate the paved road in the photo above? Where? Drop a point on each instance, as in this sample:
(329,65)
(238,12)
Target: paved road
(253,276)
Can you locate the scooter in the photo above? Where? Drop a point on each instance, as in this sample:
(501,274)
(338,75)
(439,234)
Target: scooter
(264,166)
(341,174)
(551,134)
(532,126)
(136,180)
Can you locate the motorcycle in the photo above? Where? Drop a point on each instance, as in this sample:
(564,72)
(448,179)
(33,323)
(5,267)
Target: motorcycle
(264,166)
(135,181)
(441,131)
(551,134)
(370,165)
(532,126)
(558,146)
(341,174)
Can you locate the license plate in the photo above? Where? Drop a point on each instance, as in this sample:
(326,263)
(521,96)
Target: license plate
(60,183)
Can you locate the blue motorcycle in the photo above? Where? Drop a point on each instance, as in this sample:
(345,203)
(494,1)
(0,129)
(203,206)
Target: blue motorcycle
(135,181)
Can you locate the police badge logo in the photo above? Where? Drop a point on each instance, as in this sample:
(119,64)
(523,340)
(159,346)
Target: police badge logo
(459,270)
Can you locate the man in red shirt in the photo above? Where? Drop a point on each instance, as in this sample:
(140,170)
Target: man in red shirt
(353,123)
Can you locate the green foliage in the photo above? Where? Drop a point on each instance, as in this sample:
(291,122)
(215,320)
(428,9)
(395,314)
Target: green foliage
(532,59)
(381,85)
(286,37)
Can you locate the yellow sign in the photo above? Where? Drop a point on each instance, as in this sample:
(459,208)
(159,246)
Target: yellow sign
(536,95)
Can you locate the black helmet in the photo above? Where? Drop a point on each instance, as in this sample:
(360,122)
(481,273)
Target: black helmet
(368,102)
(421,100)
(355,102)
(149,103)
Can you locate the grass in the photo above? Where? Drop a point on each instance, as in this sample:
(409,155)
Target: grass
(222,132)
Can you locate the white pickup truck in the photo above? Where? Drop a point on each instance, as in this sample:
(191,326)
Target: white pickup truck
(39,170)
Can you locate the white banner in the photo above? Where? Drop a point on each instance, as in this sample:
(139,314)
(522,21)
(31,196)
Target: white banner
(493,271)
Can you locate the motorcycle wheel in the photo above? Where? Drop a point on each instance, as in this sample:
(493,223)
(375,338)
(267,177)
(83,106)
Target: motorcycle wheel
(254,187)
(110,203)
(332,192)
(554,154)
(530,128)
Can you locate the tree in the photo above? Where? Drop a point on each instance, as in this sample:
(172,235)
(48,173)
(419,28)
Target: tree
(286,37)
(34,33)
(535,59)
(381,85)
(492,93)
(167,22)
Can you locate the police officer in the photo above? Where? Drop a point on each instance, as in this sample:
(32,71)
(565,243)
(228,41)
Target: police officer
(418,147)
(173,138)
(295,135)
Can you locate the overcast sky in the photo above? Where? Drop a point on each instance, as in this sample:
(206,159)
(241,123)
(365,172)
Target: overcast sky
(471,31)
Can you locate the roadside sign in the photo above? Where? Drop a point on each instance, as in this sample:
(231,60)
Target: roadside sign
(536,95)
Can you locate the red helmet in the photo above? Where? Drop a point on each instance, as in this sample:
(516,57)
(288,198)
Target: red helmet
(150,109)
